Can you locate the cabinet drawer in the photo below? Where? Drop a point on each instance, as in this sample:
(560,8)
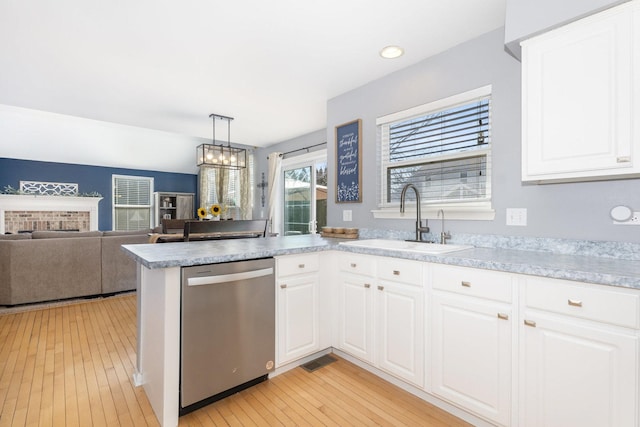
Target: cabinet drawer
(357,264)
(592,302)
(400,270)
(473,282)
(297,264)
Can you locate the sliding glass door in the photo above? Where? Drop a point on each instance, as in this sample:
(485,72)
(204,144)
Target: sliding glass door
(305,195)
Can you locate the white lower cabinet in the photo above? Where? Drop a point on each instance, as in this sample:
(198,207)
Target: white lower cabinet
(400,330)
(298,305)
(355,311)
(578,367)
(472,333)
(381,314)
(506,348)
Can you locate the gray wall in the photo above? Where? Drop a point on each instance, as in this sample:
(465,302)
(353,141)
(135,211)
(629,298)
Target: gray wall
(525,18)
(574,210)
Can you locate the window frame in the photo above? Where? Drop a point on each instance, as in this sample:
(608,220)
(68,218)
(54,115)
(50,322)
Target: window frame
(476,209)
(289,162)
(115,206)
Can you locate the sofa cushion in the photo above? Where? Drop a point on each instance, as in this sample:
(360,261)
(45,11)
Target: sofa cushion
(119,269)
(64,234)
(49,269)
(19,236)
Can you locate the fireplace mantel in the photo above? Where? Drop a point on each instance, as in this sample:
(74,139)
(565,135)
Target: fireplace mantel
(28,202)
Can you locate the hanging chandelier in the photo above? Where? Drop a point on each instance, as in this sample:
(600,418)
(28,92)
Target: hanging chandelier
(221,156)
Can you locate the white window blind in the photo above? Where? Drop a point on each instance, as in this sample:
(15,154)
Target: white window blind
(132,202)
(443,148)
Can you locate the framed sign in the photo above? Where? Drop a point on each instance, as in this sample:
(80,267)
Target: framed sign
(349,162)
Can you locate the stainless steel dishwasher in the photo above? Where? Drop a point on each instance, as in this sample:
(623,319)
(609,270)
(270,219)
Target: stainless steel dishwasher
(227,329)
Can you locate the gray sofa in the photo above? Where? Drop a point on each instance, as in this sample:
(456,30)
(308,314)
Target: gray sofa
(53,265)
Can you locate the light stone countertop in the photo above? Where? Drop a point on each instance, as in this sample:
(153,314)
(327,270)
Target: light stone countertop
(590,269)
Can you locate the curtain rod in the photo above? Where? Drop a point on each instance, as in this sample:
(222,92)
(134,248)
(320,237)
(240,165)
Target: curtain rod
(302,149)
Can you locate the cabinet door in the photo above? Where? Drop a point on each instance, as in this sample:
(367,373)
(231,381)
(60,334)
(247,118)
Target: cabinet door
(184,205)
(400,330)
(471,354)
(578,84)
(577,374)
(298,326)
(355,302)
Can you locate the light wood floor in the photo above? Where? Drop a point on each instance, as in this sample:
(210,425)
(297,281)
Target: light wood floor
(72,365)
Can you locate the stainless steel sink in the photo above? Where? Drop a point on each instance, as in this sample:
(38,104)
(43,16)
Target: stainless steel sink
(407,246)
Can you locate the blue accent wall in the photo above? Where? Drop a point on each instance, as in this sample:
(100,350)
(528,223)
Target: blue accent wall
(90,179)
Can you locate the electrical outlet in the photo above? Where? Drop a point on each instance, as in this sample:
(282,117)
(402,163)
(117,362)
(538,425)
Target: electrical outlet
(517,216)
(347,215)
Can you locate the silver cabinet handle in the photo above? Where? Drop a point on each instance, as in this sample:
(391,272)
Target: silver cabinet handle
(574,302)
(367,285)
(381,288)
(623,159)
(503,316)
(283,286)
(466,284)
(530,323)
(396,272)
(300,265)
(353,265)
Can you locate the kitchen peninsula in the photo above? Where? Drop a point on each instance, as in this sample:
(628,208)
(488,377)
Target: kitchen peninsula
(521,277)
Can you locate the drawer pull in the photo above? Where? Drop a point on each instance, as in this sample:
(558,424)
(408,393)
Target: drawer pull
(353,265)
(574,303)
(396,272)
(466,284)
(503,316)
(530,323)
(380,288)
(300,265)
(623,159)
(367,285)
(283,286)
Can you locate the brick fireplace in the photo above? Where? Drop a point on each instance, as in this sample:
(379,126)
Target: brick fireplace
(31,213)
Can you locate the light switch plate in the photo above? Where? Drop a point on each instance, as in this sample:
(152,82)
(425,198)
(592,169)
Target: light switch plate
(517,216)
(347,215)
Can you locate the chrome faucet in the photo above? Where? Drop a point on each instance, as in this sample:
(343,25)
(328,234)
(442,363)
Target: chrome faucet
(419,227)
(443,236)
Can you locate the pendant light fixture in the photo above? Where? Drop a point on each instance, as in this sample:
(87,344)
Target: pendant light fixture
(221,156)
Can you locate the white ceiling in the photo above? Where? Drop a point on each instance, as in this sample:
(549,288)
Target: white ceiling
(167,64)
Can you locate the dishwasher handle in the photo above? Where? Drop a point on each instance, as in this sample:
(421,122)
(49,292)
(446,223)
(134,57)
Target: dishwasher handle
(233,277)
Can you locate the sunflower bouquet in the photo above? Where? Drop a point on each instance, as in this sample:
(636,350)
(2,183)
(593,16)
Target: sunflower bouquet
(215,209)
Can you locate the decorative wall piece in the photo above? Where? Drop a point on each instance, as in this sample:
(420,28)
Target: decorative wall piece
(48,188)
(349,162)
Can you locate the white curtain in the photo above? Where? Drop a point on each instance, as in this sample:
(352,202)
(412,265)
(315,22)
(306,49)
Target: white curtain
(217,185)
(246,189)
(275,171)
(204,191)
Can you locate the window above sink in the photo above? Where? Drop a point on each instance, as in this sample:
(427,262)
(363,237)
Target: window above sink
(444,149)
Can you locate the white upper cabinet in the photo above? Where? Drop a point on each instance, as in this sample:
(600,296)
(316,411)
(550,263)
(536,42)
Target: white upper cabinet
(579,86)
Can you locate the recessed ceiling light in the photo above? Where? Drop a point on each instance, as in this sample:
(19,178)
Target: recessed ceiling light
(391,52)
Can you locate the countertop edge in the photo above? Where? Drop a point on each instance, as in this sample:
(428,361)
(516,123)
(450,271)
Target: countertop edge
(585,269)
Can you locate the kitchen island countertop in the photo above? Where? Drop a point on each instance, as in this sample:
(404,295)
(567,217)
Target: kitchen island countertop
(589,269)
